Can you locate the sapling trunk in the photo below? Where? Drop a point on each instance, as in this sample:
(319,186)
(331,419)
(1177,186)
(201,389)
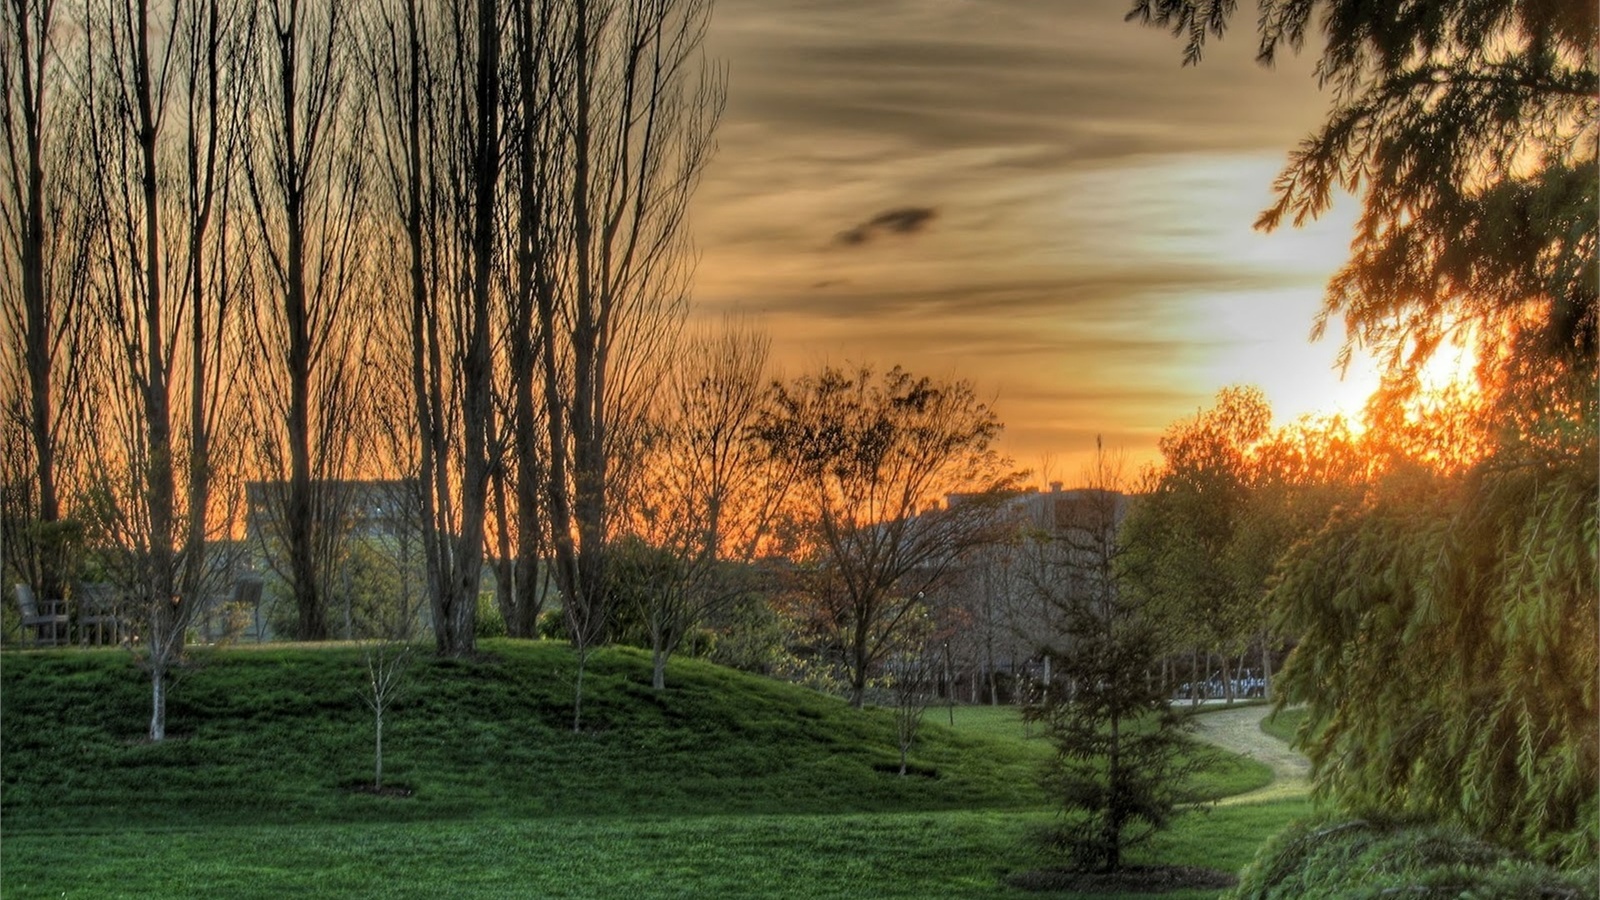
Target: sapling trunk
(377,754)
(158,704)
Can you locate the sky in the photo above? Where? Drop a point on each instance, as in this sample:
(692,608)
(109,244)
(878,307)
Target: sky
(1030,194)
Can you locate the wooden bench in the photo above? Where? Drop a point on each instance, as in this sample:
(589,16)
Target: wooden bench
(53,617)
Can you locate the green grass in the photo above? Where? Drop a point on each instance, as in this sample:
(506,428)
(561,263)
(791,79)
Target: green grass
(276,736)
(1226,776)
(724,785)
(935,854)
(1284,724)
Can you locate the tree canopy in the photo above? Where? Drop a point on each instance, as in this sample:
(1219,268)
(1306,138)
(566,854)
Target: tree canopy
(1469,129)
(875,454)
(1447,611)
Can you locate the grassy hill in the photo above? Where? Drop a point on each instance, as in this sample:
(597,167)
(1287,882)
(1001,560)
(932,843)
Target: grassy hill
(725,784)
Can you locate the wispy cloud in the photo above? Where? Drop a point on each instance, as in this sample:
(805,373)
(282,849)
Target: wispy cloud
(1079,204)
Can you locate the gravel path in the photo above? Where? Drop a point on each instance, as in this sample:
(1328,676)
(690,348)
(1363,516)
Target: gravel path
(1239,731)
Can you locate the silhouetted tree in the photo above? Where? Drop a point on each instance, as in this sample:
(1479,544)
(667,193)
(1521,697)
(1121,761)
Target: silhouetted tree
(45,236)
(162,286)
(306,177)
(707,494)
(875,456)
(437,75)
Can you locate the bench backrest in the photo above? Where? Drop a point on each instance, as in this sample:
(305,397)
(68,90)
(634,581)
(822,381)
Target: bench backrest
(30,607)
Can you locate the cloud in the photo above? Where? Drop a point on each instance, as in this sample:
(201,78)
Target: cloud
(1105,296)
(1044,199)
(927,76)
(903,220)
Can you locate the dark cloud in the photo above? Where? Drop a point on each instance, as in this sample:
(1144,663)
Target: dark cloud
(903,220)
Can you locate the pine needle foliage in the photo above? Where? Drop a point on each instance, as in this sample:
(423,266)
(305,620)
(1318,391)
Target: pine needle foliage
(1356,858)
(1124,753)
(1450,648)
(1447,621)
(1469,128)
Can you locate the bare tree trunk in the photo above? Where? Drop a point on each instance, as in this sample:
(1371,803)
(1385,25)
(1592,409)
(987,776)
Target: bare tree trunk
(377,761)
(209,161)
(534,292)
(859,660)
(1266,667)
(577,689)
(478,371)
(158,704)
(1196,689)
(42,293)
(503,563)
(306,180)
(1227,678)
(31,58)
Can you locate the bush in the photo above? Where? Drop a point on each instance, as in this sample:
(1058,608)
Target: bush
(490,623)
(1357,858)
(553,625)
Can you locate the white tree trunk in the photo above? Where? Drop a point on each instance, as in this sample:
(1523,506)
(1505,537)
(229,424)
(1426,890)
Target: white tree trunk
(377,756)
(158,704)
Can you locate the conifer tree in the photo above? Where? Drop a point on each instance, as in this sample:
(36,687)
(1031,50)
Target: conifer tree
(1448,622)
(1123,751)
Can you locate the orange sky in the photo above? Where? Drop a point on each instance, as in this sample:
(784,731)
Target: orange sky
(1031,194)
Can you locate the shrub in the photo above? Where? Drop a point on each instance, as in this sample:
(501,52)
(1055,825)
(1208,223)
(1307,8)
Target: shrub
(1358,858)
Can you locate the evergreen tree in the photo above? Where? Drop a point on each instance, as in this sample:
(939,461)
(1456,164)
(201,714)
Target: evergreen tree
(1122,750)
(1448,620)
(1449,649)
(1469,128)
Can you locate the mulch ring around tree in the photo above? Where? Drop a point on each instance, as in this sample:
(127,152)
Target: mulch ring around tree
(1127,880)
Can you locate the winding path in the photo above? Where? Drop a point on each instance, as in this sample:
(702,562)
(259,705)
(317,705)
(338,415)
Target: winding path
(1239,731)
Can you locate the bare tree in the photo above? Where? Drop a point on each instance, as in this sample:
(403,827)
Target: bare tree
(306,177)
(441,144)
(43,267)
(535,180)
(637,107)
(912,677)
(160,284)
(876,456)
(708,494)
(386,664)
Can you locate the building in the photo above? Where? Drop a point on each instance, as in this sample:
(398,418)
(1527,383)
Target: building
(368,508)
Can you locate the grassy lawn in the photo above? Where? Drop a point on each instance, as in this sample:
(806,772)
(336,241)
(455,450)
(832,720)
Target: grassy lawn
(725,785)
(1284,723)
